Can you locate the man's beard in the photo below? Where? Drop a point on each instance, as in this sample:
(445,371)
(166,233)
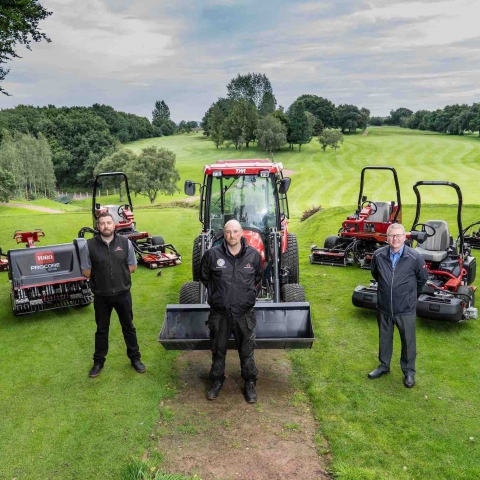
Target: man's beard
(105,234)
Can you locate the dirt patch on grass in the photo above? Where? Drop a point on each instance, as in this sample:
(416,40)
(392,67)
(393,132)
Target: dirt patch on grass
(287,172)
(31,207)
(231,439)
(365,132)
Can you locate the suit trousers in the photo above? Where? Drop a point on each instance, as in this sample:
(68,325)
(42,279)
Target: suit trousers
(406,326)
(242,326)
(103,306)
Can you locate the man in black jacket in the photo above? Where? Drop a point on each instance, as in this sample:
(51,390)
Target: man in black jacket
(230,271)
(108,260)
(401,273)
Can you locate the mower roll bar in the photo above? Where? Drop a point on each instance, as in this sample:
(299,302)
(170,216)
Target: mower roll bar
(459,210)
(109,174)
(397,187)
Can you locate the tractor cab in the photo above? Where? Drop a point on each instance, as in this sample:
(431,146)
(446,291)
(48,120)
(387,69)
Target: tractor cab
(253,192)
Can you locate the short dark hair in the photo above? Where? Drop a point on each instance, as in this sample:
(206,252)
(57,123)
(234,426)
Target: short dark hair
(103,215)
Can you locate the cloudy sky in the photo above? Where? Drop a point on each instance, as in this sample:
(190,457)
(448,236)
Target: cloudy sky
(378,54)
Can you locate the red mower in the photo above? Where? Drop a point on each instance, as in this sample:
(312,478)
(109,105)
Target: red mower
(363,232)
(152,251)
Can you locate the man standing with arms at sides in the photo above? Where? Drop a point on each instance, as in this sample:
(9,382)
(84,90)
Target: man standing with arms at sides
(401,273)
(108,260)
(230,271)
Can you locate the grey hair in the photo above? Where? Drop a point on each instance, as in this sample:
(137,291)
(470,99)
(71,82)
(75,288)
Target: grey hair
(396,226)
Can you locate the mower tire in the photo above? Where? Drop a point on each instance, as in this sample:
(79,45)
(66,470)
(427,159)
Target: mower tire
(331,242)
(158,240)
(190,293)
(467,292)
(290,259)
(293,292)
(196,258)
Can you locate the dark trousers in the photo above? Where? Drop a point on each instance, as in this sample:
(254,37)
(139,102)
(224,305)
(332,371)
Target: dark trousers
(406,328)
(221,326)
(103,310)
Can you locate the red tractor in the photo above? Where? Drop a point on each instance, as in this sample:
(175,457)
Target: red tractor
(361,233)
(152,251)
(46,278)
(448,294)
(254,192)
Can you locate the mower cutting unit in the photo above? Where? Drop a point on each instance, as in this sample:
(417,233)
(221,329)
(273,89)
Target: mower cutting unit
(254,192)
(448,293)
(363,232)
(471,236)
(152,251)
(46,278)
(3,262)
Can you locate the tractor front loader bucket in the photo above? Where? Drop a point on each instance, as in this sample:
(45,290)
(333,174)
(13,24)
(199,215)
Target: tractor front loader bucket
(279,326)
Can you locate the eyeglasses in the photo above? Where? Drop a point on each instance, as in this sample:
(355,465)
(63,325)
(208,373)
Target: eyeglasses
(397,235)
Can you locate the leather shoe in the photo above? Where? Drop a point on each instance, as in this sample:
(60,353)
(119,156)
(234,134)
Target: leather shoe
(377,373)
(95,371)
(139,366)
(215,390)
(409,380)
(249,391)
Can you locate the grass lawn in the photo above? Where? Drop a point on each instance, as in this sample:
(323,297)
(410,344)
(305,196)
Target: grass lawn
(58,423)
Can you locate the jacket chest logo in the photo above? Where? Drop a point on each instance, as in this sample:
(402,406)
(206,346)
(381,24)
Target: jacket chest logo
(221,263)
(247,266)
(119,249)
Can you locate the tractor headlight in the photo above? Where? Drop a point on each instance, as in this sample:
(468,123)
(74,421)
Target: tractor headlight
(217,173)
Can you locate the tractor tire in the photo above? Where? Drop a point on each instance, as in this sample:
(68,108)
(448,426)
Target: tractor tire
(293,292)
(190,293)
(290,259)
(196,259)
(468,292)
(158,240)
(331,241)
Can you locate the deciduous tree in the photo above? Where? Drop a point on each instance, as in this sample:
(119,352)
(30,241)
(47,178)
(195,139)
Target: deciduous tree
(271,134)
(255,88)
(300,131)
(331,138)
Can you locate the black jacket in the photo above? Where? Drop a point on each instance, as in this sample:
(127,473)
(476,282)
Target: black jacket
(231,280)
(398,289)
(110,273)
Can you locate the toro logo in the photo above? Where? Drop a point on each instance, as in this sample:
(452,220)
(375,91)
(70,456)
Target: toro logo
(41,258)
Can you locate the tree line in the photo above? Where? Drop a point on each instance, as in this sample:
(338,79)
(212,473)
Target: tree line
(249,113)
(453,119)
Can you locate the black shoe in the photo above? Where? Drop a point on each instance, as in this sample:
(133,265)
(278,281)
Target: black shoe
(377,373)
(409,380)
(249,391)
(95,371)
(139,366)
(215,390)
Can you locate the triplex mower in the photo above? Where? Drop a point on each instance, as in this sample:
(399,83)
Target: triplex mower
(152,251)
(448,294)
(46,278)
(363,232)
(254,192)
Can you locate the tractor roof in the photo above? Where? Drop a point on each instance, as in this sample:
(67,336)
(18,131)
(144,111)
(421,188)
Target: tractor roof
(249,166)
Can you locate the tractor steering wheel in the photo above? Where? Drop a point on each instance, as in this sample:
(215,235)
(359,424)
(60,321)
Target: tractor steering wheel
(424,229)
(372,205)
(121,210)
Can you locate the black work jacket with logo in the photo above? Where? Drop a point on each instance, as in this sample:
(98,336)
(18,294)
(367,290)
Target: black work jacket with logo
(398,288)
(231,280)
(110,273)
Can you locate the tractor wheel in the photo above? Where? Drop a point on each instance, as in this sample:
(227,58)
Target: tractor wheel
(467,293)
(158,240)
(293,292)
(196,259)
(190,293)
(290,259)
(331,241)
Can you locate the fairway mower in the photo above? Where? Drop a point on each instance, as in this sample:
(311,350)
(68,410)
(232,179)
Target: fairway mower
(471,236)
(448,294)
(151,251)
(46,278)
(363,232)
(254,192)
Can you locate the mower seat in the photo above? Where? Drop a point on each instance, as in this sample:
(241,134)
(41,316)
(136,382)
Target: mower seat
(435,248)
(382,214)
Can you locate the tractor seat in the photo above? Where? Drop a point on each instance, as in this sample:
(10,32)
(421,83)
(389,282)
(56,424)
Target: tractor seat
(113,211)
(435,248)
(382,214)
